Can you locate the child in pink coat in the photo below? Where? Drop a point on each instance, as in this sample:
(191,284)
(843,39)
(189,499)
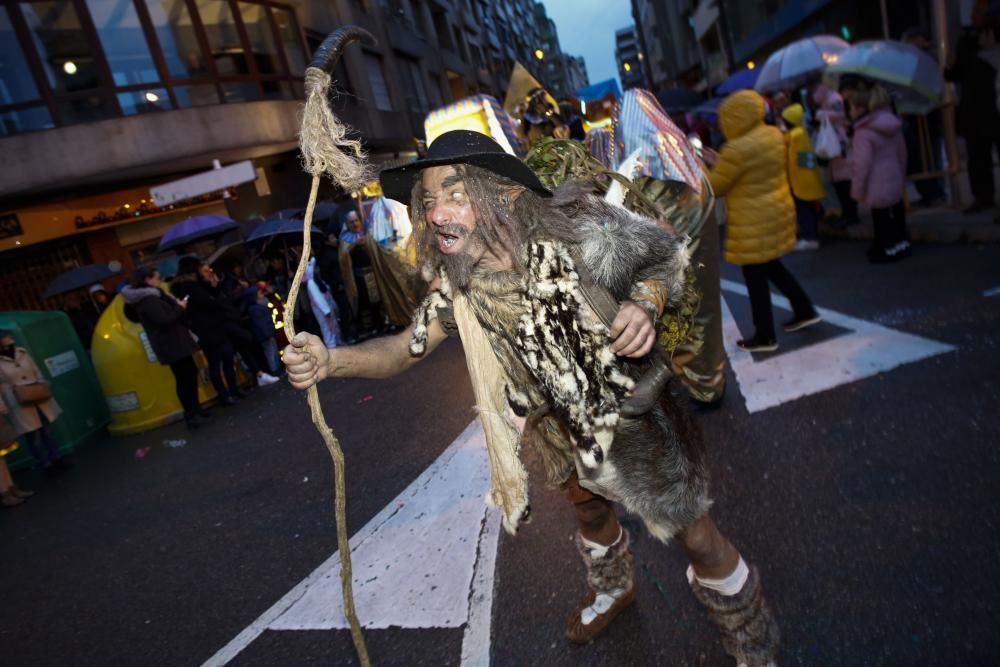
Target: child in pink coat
(878,167)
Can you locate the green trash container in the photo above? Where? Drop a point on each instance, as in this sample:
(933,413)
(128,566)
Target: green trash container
(53,344)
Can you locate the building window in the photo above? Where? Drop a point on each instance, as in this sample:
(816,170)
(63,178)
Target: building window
(123,41)
(142,101)
(25,120)
(413,78)
(290,40)
(376,82)
(16,82)
(196,95)
(263,46)
(178,42)
(223,37)
(105,58)
(443,30)
(62,46)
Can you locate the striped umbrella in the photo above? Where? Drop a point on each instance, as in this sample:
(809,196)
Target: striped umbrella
(793,65)
(912,75)
(664,151)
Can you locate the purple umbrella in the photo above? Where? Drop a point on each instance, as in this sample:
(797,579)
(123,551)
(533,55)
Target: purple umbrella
(742,80)
(195,228)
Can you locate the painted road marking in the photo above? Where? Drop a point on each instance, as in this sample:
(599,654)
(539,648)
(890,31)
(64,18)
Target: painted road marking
(425,561)
(868,350)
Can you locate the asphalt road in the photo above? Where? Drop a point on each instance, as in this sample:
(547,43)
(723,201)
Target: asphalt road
(870,508)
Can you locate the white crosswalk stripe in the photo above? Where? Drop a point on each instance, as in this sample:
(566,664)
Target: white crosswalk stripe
(415,563)
(867,350)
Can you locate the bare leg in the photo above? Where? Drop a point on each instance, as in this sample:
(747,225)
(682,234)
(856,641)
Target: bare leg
(710,553)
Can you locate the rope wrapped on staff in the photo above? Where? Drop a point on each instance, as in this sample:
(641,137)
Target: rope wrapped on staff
(327,150)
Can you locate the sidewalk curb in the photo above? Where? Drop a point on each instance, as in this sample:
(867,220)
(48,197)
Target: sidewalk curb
(936,225)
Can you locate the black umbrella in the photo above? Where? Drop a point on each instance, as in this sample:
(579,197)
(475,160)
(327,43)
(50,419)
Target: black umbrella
(80,277)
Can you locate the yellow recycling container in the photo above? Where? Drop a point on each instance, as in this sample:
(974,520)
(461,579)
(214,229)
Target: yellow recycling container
(140,390)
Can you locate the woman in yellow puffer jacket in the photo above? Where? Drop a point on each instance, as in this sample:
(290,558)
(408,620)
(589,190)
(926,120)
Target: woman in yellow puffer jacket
(751,173)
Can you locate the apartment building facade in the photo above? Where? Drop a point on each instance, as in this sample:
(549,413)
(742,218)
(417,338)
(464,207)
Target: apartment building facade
(629,58)
(102,99)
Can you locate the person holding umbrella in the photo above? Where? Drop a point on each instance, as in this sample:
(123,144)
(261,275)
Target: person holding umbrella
(878,166)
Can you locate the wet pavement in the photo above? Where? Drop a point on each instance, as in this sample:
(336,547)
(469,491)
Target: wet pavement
(870,508)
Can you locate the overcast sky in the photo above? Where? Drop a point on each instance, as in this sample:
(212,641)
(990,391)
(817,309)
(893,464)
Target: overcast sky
(587,28)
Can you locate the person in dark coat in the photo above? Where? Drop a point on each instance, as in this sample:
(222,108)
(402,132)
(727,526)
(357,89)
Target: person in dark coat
(229,291)
(162,316)
(207,318)
(978,117)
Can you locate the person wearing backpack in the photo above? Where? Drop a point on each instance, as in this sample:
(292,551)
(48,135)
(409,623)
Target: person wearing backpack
(803,178)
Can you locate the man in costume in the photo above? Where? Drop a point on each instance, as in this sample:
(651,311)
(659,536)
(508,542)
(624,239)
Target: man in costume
(556,296)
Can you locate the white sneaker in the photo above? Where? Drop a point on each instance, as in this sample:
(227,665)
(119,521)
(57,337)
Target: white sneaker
(263,379)
(805,244)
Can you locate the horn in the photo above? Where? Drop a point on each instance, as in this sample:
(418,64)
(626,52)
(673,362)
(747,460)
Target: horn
(328,54)
(326,148)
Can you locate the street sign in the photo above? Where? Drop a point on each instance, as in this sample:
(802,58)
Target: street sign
(203,183)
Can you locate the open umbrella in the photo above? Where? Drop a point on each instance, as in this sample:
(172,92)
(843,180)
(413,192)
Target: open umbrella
(709,108)
(80,277)
(277,226)
(741,80)
(192,229)
(911,74)
(664,151)
(793,65)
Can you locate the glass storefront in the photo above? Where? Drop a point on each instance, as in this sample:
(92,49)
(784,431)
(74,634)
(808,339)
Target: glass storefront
(73,61)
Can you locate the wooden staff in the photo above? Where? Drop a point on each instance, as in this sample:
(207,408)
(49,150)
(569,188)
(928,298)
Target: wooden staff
(326,150)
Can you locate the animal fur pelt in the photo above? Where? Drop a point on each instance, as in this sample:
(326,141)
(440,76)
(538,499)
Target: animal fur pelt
(749,632)
(567,352)
(552,349)
(611,572)
(622,249)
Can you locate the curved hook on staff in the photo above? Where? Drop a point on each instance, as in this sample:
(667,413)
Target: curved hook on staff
(327,150)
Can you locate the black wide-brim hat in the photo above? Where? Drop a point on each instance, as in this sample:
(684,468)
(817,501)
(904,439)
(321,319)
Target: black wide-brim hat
(460,147)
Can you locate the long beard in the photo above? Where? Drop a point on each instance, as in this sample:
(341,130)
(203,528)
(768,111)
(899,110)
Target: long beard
(460,266)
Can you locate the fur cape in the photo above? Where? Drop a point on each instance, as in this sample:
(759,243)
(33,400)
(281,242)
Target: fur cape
(554,350)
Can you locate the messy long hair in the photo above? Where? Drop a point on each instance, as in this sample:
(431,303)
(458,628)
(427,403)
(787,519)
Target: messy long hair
(508,217)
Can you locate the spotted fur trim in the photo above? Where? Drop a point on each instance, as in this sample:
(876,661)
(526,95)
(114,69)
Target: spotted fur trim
(425,312)
(568,353)
(439,298)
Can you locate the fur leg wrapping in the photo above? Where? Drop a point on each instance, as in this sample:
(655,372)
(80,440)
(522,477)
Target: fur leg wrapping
(609,575)
(749,632)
